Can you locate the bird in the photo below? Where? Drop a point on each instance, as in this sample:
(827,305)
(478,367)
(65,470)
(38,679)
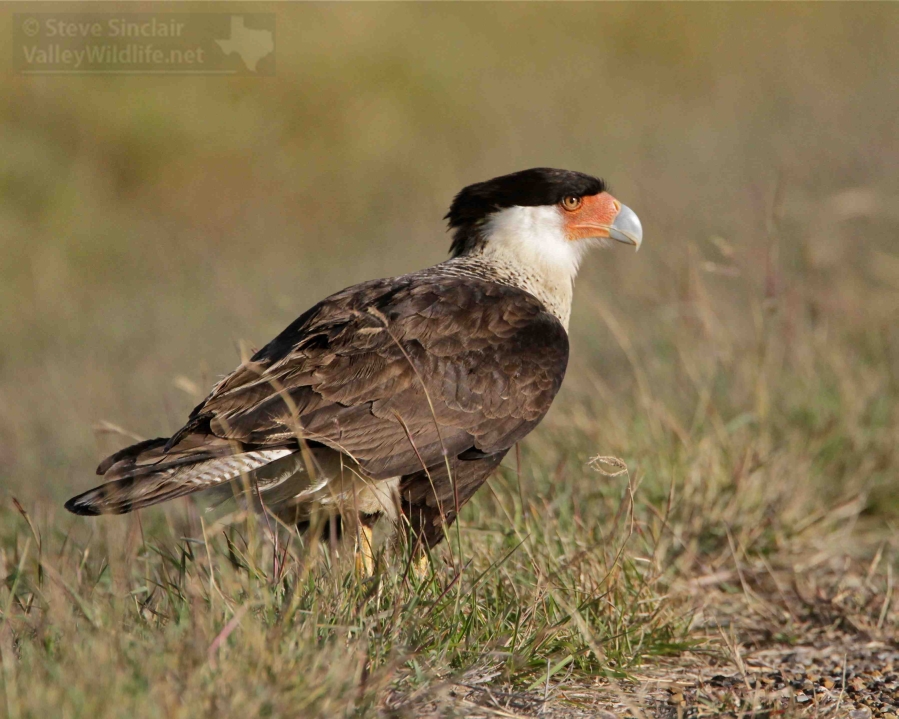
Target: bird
(396,397)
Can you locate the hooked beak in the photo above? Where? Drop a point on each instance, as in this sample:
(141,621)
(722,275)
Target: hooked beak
(627,228)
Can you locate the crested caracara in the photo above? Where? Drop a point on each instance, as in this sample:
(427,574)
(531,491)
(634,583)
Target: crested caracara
(396,396)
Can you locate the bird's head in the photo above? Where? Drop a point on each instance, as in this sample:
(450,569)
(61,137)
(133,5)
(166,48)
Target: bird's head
(547,215)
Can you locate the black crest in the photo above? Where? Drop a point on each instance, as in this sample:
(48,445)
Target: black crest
(528,188)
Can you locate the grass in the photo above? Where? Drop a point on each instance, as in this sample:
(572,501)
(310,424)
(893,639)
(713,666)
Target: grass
(744,367)
(562,576)
(528,601)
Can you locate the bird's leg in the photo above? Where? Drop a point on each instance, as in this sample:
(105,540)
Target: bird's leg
(421,566)
(364,552)
(422,534)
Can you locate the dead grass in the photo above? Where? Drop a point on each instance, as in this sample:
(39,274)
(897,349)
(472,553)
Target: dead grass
(568,589)
(743,366)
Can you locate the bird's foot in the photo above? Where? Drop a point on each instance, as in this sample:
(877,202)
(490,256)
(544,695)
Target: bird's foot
(421,567)
(364,553)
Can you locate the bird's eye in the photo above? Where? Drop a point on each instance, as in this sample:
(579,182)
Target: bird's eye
(571,203)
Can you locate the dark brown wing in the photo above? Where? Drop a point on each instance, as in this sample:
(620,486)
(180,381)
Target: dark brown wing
(397,373)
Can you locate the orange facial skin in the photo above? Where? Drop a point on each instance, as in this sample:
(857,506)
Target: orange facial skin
(591,217)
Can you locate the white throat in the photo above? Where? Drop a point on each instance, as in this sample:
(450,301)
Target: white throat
(526,247)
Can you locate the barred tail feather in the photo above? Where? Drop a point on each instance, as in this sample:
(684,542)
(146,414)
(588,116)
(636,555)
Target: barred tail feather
(157,480)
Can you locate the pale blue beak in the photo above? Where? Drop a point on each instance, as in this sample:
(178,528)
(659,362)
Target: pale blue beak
(627,228)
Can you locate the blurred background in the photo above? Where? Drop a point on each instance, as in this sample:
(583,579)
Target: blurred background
(152,226)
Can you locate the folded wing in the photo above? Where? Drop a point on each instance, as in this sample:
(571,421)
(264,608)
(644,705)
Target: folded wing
(396,374)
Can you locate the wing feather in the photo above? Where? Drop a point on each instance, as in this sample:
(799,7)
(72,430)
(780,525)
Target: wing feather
(395,373)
